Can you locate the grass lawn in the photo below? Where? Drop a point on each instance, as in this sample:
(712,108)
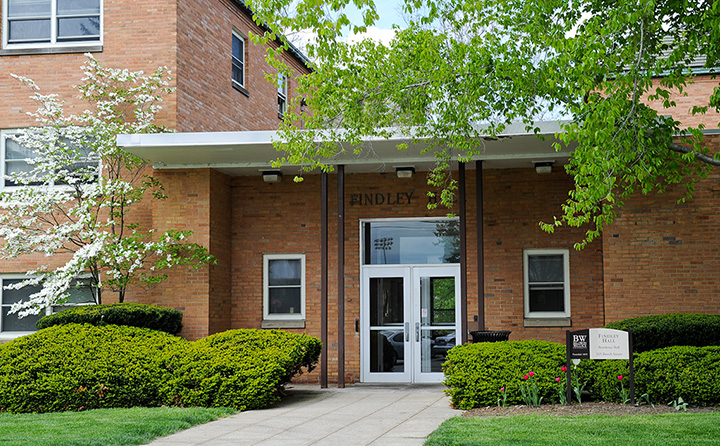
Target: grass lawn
(101,427)
(645,430)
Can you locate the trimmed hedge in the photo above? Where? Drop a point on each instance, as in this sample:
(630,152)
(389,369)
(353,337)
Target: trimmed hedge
(243,369)
(77,367)
(475,373)
(692,373)
(665,330)
(131,314)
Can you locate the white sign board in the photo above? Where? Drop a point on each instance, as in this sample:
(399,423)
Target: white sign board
(606,343)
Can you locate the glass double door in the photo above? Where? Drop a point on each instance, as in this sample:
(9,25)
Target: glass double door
(409,320)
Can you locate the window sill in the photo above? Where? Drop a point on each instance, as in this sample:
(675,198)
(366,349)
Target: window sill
(283,323)
(548,322)
(51,50)
(10,335)
(241,89)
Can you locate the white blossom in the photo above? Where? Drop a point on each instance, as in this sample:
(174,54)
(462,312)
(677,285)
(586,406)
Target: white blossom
(74,199)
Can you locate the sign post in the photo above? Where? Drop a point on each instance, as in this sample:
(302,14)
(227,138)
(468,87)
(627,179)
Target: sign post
(577,348)
(599,344)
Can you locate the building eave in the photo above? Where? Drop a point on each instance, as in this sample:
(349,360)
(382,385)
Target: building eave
(245,153)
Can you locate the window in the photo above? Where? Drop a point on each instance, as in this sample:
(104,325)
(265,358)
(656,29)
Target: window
(33,23)
(547,284)
(11,325)
(238,62)
(15,160)
(282,95)
(284,286)
(397,242)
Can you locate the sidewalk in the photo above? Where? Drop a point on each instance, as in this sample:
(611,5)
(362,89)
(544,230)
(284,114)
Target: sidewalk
(361,414)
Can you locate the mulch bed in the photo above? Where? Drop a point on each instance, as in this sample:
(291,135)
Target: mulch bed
(575,409)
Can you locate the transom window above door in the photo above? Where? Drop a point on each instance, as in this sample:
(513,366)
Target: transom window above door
(394,242)
(30,23)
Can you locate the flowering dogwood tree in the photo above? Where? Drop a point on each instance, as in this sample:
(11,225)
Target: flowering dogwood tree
(74,193)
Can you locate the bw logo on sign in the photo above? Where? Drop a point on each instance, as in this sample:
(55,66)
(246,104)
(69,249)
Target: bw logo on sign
(580,342)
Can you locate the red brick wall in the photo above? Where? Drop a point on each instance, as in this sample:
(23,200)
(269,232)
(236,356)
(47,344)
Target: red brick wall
(285,218)
(192,39)
(220,247)
(207,100)
(515,200)
(188,207)
(128,26)
(662,256)
(695,94)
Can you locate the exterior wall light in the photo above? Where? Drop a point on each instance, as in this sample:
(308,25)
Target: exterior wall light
(405,172)
(272,176)
(542,167)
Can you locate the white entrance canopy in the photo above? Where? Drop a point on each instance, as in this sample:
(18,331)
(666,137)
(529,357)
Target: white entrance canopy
(247,152)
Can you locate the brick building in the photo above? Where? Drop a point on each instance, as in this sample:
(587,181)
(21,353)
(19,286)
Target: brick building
(218,73)
(355,257)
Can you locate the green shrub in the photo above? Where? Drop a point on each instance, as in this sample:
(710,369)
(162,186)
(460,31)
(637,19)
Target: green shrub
(692,373)
(242,369)
(76,367)
(475,373)
(665,330)
(135,315)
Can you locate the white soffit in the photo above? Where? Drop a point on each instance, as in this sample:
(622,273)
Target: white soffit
(244,153)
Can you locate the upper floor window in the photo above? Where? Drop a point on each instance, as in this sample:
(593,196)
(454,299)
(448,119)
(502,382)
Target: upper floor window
(51,22)
(547,283)
(282,94)
(17,159)
(238,61)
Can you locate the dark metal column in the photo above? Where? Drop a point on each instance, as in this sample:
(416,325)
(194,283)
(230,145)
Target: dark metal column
(341,276)
(324,281)
(480,243)
(463,256)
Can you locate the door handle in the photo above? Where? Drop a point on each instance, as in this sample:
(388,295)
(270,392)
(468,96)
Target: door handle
(407,331)
(417,331)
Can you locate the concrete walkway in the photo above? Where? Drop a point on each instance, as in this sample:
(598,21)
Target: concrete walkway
(362,414)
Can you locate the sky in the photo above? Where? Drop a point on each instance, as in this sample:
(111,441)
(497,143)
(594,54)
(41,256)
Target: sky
(390,12)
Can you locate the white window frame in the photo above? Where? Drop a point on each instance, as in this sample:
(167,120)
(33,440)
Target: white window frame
(5,335)
(240,62)
(53,31)
(266,287)
(4,135)
(282,95)
(566,283)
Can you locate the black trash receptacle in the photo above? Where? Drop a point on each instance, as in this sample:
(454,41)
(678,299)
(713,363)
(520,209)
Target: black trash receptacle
(490,336)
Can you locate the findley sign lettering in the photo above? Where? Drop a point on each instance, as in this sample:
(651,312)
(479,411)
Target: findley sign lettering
(381,199)
(606,343)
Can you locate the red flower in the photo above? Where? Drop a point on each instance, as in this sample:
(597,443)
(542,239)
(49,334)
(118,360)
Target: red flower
(532,373)
(525,377)
(620,377)
(563,368)
(502,389)
(557,379)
